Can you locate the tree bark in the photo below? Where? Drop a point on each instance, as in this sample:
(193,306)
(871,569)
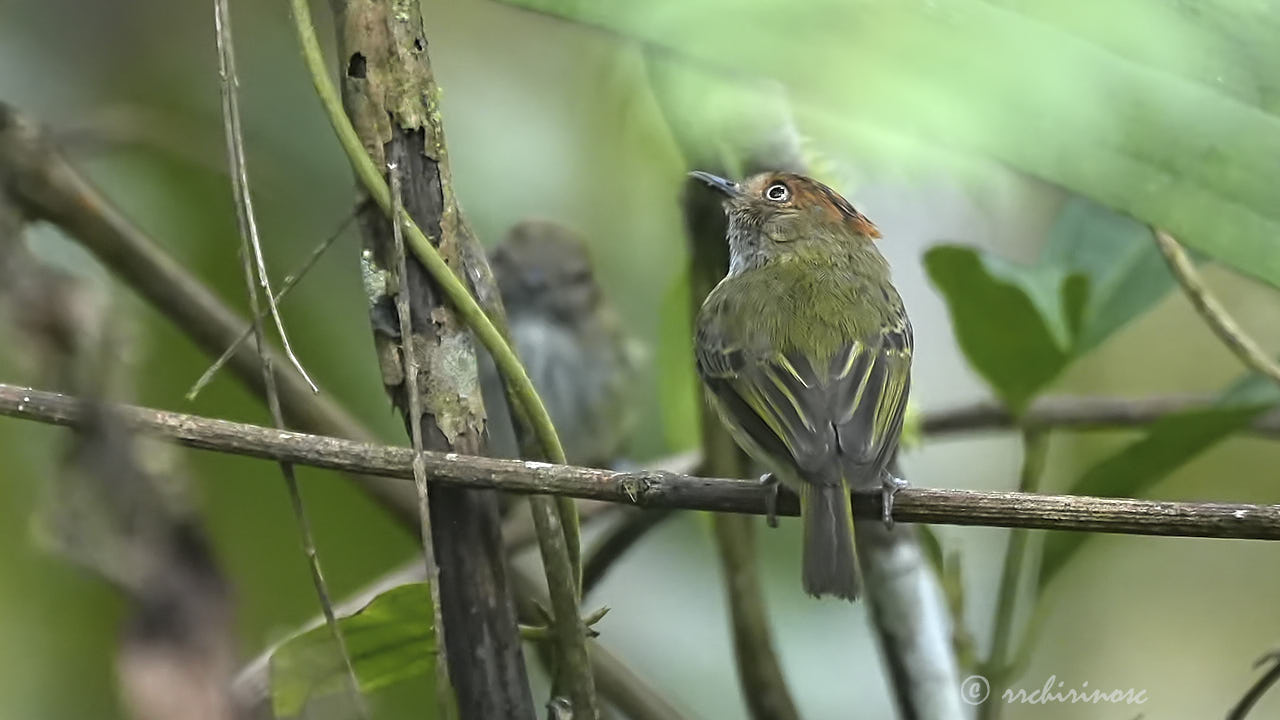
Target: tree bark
(391,96)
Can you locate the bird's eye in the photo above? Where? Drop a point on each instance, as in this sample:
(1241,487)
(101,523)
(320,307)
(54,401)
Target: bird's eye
(778,192)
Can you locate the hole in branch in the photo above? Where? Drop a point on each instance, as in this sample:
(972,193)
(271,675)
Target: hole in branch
(356,66)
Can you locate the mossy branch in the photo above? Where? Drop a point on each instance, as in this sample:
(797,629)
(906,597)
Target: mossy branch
(409,68)
(370,176)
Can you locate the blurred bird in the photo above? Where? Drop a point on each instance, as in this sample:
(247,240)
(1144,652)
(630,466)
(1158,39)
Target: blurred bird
(805,352)
(570,341)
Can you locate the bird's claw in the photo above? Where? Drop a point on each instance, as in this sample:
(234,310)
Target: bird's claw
(770,482)
(890,486)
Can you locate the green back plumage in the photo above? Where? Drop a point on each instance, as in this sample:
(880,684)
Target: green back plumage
(814,305)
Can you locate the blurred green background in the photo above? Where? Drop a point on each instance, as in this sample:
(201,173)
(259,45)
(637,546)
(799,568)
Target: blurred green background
(949,122)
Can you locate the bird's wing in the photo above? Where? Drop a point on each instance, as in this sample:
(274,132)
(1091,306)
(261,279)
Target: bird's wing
(870,405)
(852,408)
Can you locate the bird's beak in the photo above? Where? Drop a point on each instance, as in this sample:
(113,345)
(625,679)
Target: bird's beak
(728,187)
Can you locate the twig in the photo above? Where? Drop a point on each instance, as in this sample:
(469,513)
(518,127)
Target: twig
(656,489)
(1219,320)
(518,533)
(444,688)
(573,671)
(46,187)
(230,82)
(1259,688)
(537,633)
(289,281)
(1035,449)
(616,541)
(1077,413)
(249,242)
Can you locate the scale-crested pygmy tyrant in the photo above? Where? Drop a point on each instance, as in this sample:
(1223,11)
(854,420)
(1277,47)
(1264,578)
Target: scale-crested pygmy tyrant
(805,351)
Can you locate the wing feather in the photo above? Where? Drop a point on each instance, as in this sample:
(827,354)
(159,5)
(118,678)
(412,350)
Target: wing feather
(846,415)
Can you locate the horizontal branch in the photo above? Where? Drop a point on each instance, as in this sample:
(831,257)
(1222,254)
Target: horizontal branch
(1077,413)
(668,490)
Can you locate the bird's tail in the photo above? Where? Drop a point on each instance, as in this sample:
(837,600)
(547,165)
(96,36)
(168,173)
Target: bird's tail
(830,564)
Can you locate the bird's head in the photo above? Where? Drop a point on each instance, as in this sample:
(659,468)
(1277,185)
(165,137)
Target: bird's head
(543,269)
(776,214)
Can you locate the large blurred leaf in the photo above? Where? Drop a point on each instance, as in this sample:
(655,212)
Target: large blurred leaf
(390,639)
(1166,111)
(1168,444)
(1126,273)
(1013,323)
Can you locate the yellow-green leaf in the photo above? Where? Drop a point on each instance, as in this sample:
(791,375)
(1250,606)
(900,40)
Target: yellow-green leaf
(391,639)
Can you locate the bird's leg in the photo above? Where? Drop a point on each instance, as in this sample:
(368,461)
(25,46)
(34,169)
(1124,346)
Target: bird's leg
(889,487)
(770,482)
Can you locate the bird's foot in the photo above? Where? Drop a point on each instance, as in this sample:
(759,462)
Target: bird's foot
(770,482)
(890,486)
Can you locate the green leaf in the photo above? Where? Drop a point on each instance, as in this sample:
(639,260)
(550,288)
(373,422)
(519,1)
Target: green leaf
(391,639)
(1099,270)
(1169,443)
(1166,111)
(1013,323)
(1126,273)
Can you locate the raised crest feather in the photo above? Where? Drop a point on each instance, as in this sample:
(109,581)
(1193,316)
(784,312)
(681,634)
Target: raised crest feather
(822,195)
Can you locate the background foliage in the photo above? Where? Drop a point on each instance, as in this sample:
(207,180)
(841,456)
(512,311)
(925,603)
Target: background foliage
(992,142)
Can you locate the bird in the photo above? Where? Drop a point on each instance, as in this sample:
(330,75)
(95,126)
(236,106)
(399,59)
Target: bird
(571,340)
(804,351)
